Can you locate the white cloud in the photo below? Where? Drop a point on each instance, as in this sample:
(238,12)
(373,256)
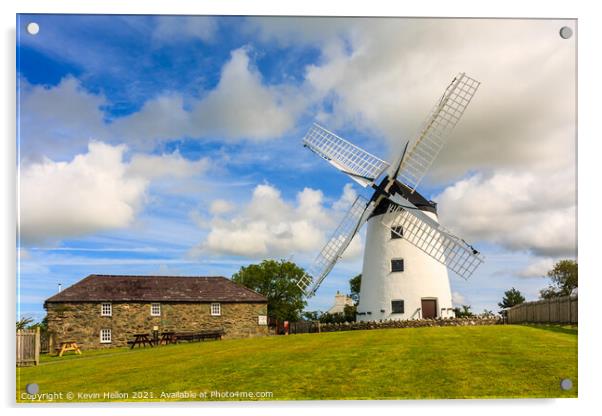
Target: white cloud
(378,78)
(294,31)
(88,194)
(169,29)
(458,299)
(348,197)
(268,225)
(159,119)
(242,107)
(166,165)
(519,211)
(95,191)
(386,75)
(537,268)
(58,121)
(220,206)
(382,76)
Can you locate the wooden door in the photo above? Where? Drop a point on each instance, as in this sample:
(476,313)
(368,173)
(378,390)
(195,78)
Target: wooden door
(429,308)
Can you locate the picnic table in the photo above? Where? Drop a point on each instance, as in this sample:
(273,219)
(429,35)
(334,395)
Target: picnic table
(167,337)
(68,346)
(172,337)
(140,340)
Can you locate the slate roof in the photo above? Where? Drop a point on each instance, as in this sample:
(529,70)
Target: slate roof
(113,288)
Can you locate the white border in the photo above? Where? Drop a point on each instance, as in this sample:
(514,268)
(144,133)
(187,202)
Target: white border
(589,172)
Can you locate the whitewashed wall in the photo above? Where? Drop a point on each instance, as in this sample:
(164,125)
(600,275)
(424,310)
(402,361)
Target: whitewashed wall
(423,277)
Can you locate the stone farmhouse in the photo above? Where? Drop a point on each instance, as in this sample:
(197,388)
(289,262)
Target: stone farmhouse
(106,310)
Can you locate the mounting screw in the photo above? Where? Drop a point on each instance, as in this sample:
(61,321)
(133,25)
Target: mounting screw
(566,32)
(566,384)
(32,388)
(33,28)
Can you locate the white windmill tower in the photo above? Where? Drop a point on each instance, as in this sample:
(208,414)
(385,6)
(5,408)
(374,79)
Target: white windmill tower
(407,251)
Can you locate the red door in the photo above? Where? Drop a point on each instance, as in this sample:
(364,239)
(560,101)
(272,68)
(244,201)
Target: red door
(429,308)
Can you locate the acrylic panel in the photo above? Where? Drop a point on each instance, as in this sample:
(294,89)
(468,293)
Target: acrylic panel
(181,236)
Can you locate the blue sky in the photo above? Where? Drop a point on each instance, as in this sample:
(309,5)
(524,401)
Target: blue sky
(171,144)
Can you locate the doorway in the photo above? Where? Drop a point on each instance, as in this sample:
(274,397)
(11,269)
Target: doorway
(429,308)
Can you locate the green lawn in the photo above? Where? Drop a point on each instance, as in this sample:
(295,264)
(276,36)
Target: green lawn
(411,363)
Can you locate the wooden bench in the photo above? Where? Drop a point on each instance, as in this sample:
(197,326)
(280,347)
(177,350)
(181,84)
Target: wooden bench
(216,335)
(199,336)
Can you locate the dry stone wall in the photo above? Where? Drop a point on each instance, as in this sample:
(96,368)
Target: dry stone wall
(411,323)
(82,322)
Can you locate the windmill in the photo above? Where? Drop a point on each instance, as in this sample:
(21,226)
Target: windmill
(408,253)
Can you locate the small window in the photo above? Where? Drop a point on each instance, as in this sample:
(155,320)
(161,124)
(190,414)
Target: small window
(155,309)
(216,309)
(105,336)
(397,265)
(106,309)
(397,306)
(396,232)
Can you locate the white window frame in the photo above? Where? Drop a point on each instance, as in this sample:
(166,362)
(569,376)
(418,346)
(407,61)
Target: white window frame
(103,312)
(103,336)
(216,309)
(152,309)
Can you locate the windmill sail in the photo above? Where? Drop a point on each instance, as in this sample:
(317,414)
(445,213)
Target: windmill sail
(333,250)
(360,165)
(418,228)
(436,129)
(429,236)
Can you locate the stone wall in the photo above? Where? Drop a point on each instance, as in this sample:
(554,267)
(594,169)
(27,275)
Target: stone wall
(410,323)
(82,322)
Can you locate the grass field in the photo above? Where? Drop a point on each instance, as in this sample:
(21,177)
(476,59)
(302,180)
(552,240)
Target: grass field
(412,363)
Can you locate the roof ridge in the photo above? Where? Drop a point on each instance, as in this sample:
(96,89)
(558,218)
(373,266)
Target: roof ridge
(151,275)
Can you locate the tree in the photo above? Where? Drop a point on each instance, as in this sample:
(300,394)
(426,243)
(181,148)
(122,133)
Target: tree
(464,312)
(23,322)
(487,313)
(43,325)
(354,288)
(277,281)
(511,298)
(311,315)
(349,312)
(564,277)
(331,318)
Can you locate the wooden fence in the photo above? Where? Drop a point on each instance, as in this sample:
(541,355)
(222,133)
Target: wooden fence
(556,310)
(28,347)
(277,327)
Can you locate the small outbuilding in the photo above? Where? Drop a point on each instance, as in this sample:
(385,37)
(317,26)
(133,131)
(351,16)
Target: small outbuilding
(340,301)
(103,311)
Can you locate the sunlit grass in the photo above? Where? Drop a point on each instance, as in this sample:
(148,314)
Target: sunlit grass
(411,363)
